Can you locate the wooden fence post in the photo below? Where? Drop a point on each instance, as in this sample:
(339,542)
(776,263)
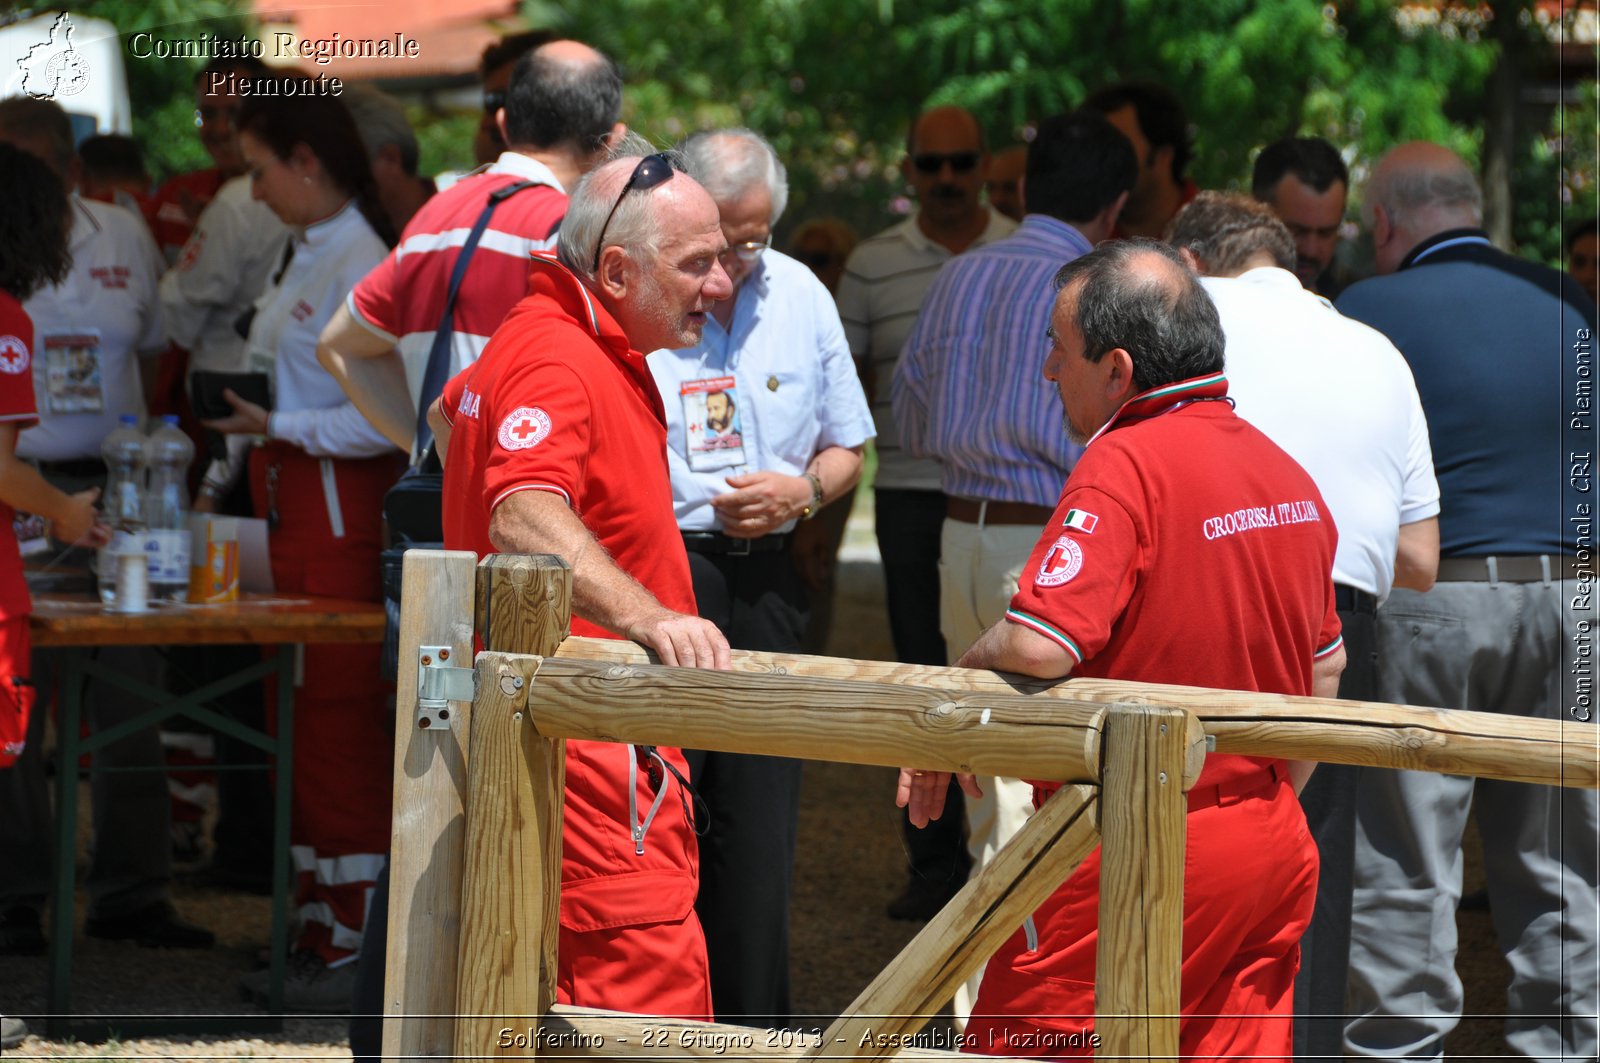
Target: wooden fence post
(429,825)
(1142,829)
(511,888)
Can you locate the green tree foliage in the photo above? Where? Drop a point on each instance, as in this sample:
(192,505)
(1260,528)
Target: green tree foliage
(834,83)
(162,90)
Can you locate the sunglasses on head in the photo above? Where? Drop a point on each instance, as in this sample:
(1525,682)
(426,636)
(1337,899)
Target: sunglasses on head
(493,100)
(652,170)
(960,161)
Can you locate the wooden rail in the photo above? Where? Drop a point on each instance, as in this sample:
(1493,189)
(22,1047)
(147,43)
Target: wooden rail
(475,872)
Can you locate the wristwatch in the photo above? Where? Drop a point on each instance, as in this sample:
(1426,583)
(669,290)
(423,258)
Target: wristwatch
(816,497)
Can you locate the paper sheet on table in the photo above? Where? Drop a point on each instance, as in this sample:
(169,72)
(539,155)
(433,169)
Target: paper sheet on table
(255,563)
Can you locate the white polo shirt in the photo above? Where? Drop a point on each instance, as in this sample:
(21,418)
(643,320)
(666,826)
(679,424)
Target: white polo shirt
(236,245)
(90,331)
(882,291)
(1340,399)
(310,410)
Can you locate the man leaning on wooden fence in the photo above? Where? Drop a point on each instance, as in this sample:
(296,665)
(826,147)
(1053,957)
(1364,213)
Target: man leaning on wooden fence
(1185,548)
(554,443)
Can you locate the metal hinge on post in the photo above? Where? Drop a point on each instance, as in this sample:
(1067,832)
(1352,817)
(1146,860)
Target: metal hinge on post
(438,684)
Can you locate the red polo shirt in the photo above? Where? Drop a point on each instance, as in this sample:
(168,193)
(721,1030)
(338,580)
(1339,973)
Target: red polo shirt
(1187,548)
(559,402)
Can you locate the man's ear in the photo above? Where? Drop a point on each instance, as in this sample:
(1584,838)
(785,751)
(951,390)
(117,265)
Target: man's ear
(1118,377)
(614,278)
(1382,226)
(1161,158)
(500,124)
(1193,260)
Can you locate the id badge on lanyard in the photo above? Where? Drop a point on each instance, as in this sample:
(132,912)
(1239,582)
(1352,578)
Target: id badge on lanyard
(714,438)
(74,377)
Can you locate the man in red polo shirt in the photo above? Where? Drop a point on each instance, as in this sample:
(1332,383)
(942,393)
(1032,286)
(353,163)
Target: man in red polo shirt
(554,441)
(1186,548)
(560,113)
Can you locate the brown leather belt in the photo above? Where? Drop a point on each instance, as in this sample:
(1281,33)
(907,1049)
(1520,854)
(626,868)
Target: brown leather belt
(1524,568)
(971,512)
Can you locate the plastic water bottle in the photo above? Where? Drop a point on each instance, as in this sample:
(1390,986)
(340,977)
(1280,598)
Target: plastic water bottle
(168,453)
(123,450)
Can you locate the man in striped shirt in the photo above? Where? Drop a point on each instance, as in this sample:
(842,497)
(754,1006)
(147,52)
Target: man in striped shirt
(1002,453)
(884,282)
(560,115)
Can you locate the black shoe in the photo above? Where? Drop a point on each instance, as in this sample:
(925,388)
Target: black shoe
(20,933)
(154,927)
(922,899)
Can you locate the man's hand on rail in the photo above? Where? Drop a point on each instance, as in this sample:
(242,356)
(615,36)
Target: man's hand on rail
(921,793)
(682,640)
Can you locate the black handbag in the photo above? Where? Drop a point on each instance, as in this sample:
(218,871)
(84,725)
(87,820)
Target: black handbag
(413,507)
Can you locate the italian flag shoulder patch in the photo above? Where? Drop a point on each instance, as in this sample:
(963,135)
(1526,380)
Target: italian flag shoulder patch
(1081,520)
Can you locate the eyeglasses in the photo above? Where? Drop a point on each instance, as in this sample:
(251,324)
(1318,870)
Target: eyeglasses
(493,100)
(960,161)
(748,252)
(652,170)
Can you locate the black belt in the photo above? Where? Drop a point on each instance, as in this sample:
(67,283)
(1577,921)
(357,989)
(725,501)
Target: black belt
(1351,600)
(74,467)
(1525,568)
(716,543)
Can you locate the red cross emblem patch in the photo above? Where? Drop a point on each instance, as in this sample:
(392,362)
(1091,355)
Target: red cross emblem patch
(13,355)
(525,427)
(1061,562)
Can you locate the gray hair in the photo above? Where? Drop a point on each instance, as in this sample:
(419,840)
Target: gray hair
(634,227)
(1225,229)
(1403,191)
(382,121)
(730,162)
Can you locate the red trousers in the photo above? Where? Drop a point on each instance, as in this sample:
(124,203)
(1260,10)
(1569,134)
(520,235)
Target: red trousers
(326,542)
(630,939)
(1250,877)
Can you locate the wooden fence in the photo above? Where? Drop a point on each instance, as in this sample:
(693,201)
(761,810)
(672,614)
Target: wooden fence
(475,867)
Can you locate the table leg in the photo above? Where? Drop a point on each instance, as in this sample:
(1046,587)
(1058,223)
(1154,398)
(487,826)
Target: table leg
(282,793)
(62,911)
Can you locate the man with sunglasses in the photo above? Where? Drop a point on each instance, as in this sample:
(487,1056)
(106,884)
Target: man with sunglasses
(883,287)
(495,67)
(775,353)
(552,444)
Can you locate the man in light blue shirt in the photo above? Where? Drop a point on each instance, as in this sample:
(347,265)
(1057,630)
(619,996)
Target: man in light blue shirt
(967,391)
(766,424)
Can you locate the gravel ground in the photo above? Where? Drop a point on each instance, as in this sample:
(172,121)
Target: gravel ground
(849,864)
